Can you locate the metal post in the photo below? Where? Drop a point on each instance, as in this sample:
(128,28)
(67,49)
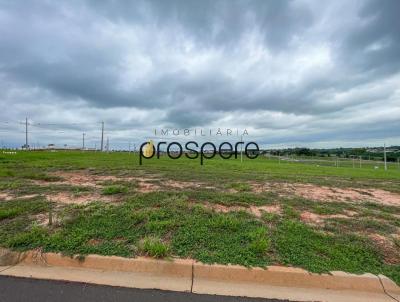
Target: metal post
(102,136)
(83,141)
(384,156)
(26,133)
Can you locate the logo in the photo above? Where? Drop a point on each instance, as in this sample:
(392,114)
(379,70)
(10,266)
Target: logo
(148,149)
(192,150)
(195,150)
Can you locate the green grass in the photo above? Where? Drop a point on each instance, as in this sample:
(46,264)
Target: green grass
(177,223)
(154,247)
(17,222)
(222,238)
(10,209)
(114,189)
(217,171)
(299,245)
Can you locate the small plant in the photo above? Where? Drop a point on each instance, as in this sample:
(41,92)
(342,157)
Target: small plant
(259,241)
(115,189)
(154,247)
(259,246)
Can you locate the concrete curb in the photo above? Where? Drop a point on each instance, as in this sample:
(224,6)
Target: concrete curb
(188,275)
(390,287)
(8,257)
(289,277)
(176,268)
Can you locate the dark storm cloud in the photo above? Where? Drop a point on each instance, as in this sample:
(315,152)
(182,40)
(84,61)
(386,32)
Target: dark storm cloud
(374,44)
(215,22)
(79,69)
(208,63)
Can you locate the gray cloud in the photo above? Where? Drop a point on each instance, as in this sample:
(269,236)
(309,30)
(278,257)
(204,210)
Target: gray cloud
(292,71)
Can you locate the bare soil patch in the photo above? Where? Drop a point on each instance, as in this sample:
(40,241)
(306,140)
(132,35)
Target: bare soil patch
(70,198)
(258,210)
(309,191)
(254,210)
(349,194)
(4,196)
(95,242)
(145,184)
(324,193)
(312,218)
(387,247)
(79,178)
(43,219)
(146,187)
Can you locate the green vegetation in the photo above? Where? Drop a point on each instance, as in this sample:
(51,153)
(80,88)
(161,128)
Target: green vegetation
(298,244)
(154,247)
(115,189)
(195,221)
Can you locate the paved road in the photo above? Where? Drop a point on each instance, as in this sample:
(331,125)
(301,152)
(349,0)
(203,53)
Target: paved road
(29,290)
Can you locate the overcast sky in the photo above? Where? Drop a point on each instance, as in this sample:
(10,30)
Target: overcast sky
(293,73)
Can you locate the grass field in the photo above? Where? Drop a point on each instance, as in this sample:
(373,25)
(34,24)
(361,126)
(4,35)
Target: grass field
(256,213)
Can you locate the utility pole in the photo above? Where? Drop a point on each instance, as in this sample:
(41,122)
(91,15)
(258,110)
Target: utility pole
(83,141)
(102,136)
(26,133)
(384,155)
(108,145)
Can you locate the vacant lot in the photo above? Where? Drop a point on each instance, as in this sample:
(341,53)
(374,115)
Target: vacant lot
(255,213)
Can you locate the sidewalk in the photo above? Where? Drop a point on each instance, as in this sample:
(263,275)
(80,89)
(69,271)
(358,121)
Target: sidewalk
(190,276)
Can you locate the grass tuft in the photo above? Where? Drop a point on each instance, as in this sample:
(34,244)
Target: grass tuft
(114,189)
(154,247)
